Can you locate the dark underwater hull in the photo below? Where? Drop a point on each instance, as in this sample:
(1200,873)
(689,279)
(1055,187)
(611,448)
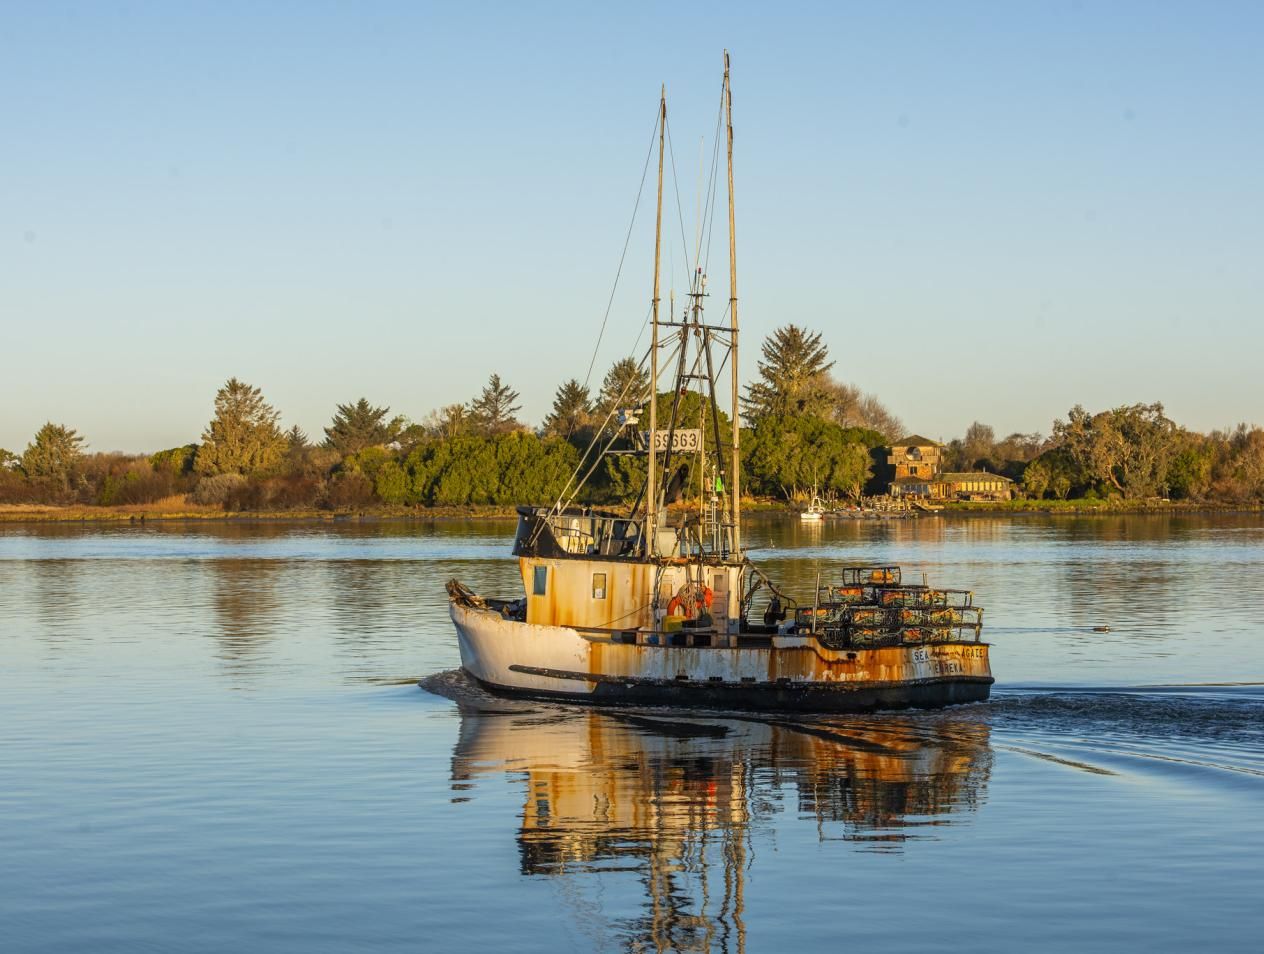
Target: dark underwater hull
(768,697)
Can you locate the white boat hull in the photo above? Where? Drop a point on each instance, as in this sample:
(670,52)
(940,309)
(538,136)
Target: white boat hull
(786,672)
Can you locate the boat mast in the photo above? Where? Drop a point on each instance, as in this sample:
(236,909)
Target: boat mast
(651,491)
(736,476)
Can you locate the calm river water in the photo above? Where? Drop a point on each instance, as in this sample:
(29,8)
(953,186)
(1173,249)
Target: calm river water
(212,738)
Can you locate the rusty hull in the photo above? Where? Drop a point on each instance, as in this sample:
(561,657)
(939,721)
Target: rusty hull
(790,672)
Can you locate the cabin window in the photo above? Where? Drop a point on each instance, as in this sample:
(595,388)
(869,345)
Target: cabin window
(599,586)
(541,580)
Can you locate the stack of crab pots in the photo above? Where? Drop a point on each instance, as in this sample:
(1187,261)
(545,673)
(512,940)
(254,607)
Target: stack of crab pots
(872,606)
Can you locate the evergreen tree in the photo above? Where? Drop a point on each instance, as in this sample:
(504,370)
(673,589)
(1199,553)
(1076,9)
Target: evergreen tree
(243,437)
(296,438)
(360,425)
(571,410)
(794,376)
(495,410)
(790,455)
(52,455)
(625,385)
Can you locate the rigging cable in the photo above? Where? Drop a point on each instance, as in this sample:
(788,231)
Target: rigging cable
(559,505)
(623,257)
(684,241)
(708,212)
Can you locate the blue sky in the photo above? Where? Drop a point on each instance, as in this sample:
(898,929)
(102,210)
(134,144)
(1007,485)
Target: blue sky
(992,211)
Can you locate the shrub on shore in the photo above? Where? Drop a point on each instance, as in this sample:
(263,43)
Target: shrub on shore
(217,489)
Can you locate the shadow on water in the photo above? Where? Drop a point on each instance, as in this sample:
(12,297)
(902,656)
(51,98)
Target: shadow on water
(674,798)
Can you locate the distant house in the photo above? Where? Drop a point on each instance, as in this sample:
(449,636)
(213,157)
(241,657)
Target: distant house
(975,485)
(912,487)
(915,456)
(916,459)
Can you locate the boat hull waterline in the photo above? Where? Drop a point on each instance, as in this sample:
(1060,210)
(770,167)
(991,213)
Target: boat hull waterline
(794,673)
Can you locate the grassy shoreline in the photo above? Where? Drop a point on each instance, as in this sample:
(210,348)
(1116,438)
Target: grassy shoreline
(1091,507)
(36,513)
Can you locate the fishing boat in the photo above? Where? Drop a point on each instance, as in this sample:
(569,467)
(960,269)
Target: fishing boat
(815,511)
(659,604)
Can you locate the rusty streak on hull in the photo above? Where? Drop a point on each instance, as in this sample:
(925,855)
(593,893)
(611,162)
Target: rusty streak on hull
(783,673)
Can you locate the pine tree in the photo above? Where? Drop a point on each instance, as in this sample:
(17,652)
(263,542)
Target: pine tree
(296,438)
(794,376)
(52,455)
(571,412)
(360,425)
(243,437)
(495,410)
(625,385)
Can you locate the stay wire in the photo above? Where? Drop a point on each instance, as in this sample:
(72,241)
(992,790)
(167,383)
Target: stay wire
(680,215)
(623,256)
(715,184)
(562,500)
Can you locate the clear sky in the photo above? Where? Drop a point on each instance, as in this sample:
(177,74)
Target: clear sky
(993,211)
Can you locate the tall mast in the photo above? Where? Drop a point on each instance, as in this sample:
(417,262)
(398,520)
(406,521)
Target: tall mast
(651,491)
(736,474)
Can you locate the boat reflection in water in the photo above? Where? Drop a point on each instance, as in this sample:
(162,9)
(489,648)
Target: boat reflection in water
(677,801)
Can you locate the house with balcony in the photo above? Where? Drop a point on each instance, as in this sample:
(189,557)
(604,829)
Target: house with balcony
(915,456)
(916,461)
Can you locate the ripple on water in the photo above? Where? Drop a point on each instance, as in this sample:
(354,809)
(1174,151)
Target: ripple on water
(212,739)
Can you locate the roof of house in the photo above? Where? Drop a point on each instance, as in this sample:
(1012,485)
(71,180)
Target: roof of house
(916,440)
(904,481)
(961,478)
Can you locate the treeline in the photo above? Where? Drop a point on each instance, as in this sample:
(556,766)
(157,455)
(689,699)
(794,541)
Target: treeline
(804,432)
(1133,452)
(805,429)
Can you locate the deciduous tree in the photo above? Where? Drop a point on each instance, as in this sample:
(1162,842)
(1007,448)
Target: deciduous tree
(448,422)
(851,407)
(1128,448)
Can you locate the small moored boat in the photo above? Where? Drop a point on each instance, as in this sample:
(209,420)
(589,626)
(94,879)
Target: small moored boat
(815,511)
